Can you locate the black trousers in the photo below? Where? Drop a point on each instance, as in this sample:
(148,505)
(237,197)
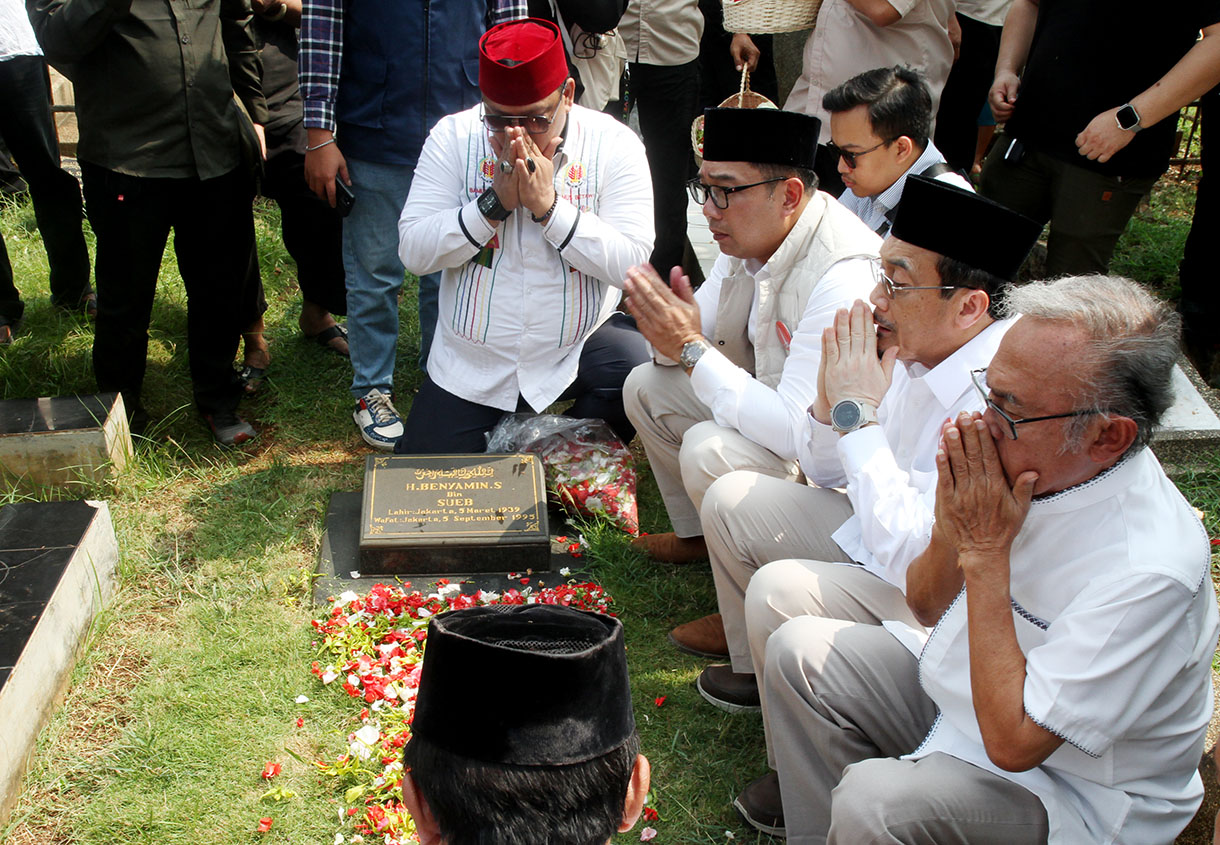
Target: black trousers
(957,117)
(213,228)
(28,131)
(718,76)
(1200,304)
(668,101)
(440,422)
(312,233)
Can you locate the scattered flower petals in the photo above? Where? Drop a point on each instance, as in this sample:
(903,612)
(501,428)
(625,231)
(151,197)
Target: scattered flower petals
(302,699)
(648,833)
(270,770)
(650,815)
(565,571)
(728,834)
(300,722)
(354,575)
(660,699)
(264,824)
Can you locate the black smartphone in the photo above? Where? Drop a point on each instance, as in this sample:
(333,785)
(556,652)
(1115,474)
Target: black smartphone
(344,198)
(1015,152)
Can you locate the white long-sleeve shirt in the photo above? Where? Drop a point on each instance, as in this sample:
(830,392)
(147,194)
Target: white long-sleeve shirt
(775,418)
(518,302)
(890,468)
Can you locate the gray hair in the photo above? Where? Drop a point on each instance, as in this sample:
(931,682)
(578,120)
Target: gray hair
(1134,341)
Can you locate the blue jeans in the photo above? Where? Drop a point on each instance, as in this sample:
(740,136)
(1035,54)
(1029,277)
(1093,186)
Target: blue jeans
(375,274)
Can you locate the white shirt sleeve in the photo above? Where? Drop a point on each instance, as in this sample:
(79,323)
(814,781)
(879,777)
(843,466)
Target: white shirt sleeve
(1106,659)
(776,419)
(430,234)
(620,235)
(895,518)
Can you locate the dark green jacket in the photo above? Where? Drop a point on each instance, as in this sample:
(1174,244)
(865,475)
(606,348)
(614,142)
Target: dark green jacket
(154,80)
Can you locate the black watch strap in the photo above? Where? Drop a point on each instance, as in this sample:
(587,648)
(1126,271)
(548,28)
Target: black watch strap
(490,207)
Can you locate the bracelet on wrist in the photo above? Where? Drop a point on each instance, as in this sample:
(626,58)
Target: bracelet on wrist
(549,211)
(321,145)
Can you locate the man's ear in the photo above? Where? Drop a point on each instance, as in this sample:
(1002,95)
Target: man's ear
(794,192)
(971,307)
(905,147)
(1113,439)
(569,92)
(426,829)
(637,792)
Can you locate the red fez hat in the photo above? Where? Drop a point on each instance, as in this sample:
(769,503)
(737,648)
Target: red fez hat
(521,62)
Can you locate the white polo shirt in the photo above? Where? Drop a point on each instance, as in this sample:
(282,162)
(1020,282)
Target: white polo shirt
(1115,612)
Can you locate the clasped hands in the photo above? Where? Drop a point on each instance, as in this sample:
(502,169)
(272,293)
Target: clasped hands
(978,511)
(850,368)
(534,190)
(667,315)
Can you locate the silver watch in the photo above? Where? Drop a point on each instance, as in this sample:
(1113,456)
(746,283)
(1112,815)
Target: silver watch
(851,414)
(692,352)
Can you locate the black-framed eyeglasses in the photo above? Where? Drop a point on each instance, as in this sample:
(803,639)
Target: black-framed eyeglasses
(535,124)
(850,157)
(588,45)
(700,192)
(979,377)
(890,289)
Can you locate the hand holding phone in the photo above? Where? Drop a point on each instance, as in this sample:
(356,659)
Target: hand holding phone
(344,198)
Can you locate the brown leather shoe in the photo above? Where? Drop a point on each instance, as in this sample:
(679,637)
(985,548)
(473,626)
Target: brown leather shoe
(670,548)
(703,637)
(760,805)
(730,691)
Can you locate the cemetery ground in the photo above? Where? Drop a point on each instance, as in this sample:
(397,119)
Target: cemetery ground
(189,681)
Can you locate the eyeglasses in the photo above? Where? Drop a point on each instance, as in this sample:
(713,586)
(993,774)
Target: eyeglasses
(979,377)
(850,157)
(535,124)
(890,289)
(700,192)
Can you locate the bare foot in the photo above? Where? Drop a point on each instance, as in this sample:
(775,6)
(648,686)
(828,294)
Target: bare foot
(315,320)
(255,352)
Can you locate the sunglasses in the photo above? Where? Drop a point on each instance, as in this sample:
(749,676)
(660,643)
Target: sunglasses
(850,157)
(535,124)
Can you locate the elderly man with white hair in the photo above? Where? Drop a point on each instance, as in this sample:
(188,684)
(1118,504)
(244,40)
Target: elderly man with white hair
(1065,690)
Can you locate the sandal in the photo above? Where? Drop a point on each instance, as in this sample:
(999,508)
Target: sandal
(251,378)
(6,332)
(86,305)
(324,337)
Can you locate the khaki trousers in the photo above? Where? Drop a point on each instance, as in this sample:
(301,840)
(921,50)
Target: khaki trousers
(844,699)
(686,449)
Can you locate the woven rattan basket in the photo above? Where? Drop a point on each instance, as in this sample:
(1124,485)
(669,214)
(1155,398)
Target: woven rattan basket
(743,99)
(768,16)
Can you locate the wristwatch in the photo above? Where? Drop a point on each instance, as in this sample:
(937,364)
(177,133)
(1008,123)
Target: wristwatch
(489,206)
(1128,118)
(692,352)
(851,414)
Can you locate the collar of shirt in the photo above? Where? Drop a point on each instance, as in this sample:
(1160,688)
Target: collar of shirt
(949,379)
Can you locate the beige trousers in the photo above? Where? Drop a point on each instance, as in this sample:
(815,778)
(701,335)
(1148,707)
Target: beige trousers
(845,699)
(687,451)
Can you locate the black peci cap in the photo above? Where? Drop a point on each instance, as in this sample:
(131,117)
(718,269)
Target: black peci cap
(964,226)
(760,136)
(526,685)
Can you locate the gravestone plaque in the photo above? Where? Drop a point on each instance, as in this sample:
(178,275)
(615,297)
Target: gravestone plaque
(443,514)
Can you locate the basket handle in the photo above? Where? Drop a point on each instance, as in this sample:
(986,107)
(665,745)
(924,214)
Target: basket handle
(745,85)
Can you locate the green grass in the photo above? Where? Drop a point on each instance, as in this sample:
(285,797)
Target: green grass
(188,682)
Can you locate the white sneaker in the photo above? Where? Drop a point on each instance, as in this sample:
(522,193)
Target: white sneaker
(379,422)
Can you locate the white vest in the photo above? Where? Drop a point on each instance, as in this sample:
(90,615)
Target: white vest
(825,233)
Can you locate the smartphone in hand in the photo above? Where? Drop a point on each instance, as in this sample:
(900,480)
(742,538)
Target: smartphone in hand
(344,198)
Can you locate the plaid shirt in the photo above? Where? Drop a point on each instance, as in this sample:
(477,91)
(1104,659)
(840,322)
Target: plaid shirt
(322,53)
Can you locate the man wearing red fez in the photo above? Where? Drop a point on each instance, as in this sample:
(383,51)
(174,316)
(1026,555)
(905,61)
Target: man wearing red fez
(533,208)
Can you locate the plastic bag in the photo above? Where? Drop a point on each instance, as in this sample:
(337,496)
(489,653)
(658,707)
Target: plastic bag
(589,471)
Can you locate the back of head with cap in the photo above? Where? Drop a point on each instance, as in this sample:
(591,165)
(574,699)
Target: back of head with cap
(549,758)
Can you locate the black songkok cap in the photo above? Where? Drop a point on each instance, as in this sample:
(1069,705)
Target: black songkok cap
(527,685)
(760,136)
(964,226)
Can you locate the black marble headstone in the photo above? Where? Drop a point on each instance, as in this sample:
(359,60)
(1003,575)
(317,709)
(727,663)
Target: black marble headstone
(54,413)
(37,540)
(441,514)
